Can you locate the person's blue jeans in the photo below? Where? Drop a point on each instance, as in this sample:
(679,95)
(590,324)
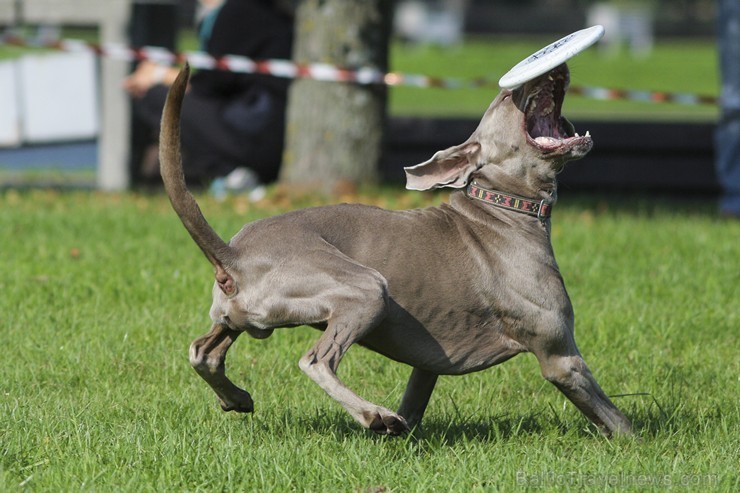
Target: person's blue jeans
(727,137)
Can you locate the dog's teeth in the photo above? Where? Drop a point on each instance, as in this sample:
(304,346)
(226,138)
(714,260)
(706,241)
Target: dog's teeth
(577,134)
(588,134)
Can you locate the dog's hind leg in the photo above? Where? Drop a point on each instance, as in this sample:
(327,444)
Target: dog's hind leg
(208,356)
(416,397)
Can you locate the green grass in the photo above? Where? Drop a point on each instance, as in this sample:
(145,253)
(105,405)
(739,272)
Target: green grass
(47,175)
(102,294)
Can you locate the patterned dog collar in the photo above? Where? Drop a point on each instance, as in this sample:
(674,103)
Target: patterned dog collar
(540,209)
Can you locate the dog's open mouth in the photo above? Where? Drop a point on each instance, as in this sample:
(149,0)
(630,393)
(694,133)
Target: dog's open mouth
(541,101)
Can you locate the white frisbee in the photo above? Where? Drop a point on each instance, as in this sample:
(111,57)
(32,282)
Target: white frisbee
(550,57)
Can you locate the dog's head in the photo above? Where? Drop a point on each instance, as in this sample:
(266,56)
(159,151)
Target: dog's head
(521,135)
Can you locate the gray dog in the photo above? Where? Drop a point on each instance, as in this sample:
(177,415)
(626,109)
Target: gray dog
(447,290)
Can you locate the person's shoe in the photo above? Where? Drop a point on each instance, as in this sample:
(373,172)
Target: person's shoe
(239,181)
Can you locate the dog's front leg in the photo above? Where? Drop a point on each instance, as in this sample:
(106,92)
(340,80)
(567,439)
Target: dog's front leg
(562,364)
(572,377)
(207,356)
(320,364)
(415,399)
(361,307)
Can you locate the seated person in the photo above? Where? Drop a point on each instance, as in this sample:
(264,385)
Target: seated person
(230,121)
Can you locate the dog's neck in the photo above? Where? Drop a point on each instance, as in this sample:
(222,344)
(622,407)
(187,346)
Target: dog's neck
(526,182)
(533,187)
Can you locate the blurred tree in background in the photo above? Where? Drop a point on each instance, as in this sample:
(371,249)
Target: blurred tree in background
(335,129)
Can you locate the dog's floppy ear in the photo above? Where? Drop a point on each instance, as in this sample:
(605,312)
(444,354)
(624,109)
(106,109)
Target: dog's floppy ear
(448,168)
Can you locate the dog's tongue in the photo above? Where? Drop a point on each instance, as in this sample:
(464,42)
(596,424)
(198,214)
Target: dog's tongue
(553,142)
(550,57)
(547,141)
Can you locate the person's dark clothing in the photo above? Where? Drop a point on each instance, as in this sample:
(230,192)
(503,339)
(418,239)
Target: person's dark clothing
(229,119)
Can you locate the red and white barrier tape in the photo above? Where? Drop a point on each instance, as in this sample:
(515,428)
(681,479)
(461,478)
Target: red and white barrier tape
(604,94)
(330,73)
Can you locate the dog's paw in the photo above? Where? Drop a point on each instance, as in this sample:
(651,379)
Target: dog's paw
(385,422)
(240,402)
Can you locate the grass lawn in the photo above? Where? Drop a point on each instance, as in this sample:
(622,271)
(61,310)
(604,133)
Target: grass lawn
(102,294)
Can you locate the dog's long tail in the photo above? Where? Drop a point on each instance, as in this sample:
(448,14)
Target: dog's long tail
(216,250)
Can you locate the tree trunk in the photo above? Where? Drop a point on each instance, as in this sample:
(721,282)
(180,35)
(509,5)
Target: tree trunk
(335,129)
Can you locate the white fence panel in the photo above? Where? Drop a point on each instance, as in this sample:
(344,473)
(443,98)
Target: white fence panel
(58,97)
(10,135)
